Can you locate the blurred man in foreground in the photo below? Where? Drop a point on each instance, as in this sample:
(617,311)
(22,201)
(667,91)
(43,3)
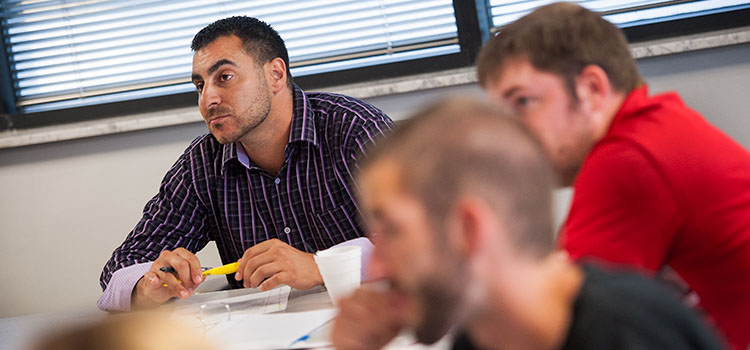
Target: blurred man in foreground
(132,331)
(459,203)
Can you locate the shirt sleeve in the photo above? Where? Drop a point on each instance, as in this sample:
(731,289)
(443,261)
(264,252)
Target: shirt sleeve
(120,287)
(376,125)
(173,218)
(623,209)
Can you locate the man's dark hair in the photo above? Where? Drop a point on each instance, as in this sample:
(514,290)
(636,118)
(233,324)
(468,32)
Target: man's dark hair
(259,39)
(562,38)
(466,147)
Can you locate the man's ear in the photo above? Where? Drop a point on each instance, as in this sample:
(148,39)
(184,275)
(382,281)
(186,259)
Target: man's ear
(593,88)
(276,74)
(471,226)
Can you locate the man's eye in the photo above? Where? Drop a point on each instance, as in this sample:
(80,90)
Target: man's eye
(225,77)
(199,87)
(390,231)
(522,102)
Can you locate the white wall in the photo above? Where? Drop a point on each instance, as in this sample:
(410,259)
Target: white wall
(65,206)
(714,82)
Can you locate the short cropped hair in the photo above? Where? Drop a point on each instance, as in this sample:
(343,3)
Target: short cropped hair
(259,39)
(562,38)
(467,147)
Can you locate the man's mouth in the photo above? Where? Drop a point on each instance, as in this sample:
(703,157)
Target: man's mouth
(398,298)
(217,120)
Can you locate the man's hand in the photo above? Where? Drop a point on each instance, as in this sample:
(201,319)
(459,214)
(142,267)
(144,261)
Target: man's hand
(150,291)
(366,321)
(273,262)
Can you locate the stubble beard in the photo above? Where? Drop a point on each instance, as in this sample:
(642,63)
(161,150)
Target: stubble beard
(441,303)
(567,175)
(247,120)
(571,157)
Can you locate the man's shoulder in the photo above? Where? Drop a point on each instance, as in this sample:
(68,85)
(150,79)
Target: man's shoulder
(203,157)
(606,283)
(613,162)
(342,119)
(203,147)
(202,141)
(663,133)
(666,127)
(622,305)
(341,100)
(333,102)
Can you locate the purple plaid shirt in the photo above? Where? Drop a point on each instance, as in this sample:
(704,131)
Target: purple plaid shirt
(215,193)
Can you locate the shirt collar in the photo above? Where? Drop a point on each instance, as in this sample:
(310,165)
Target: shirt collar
(302,130)
(303,119)
(634,101)
(229,152)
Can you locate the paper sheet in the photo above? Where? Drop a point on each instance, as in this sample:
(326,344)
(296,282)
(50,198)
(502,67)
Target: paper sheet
(214,308)
(274,331)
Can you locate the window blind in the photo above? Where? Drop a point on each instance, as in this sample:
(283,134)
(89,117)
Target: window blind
(623,13)
(73,53)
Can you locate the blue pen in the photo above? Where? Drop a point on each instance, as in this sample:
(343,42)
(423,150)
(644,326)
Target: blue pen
(308,334)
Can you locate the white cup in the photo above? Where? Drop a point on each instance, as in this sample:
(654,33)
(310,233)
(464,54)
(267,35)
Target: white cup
(340,268)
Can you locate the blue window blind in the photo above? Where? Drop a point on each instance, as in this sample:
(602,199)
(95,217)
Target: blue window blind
(623,13)
(75,53)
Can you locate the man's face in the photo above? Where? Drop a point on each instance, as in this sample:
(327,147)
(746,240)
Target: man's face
(427,280)
(233,94)
(544,104)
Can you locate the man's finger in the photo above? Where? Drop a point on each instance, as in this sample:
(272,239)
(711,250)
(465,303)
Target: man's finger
(251,253)
(346,341)
(195,265)
(256,277)
(182,271)
(347,334)
(155,289)
(261,248)
(153,283)
(266,245)
(371,313)
(272,282)
(175,286)
(354,309)
(240,266)
(173,260)
(254,263)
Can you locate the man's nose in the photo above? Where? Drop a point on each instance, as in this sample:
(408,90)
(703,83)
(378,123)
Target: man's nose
(210,96)
(377,267)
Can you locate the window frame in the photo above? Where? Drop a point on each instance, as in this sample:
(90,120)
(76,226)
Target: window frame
(474,28)
(688,26)
(465,23)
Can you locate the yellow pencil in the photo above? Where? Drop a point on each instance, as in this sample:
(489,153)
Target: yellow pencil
(221,270)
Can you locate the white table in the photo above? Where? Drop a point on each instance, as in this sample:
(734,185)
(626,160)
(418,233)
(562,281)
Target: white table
(18,333)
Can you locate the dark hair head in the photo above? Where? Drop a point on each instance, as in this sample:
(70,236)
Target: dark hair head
(562,38)
(259,39)
(465,147)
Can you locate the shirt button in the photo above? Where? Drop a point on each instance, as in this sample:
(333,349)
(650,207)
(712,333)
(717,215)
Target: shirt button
(277,181)
(287,230)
